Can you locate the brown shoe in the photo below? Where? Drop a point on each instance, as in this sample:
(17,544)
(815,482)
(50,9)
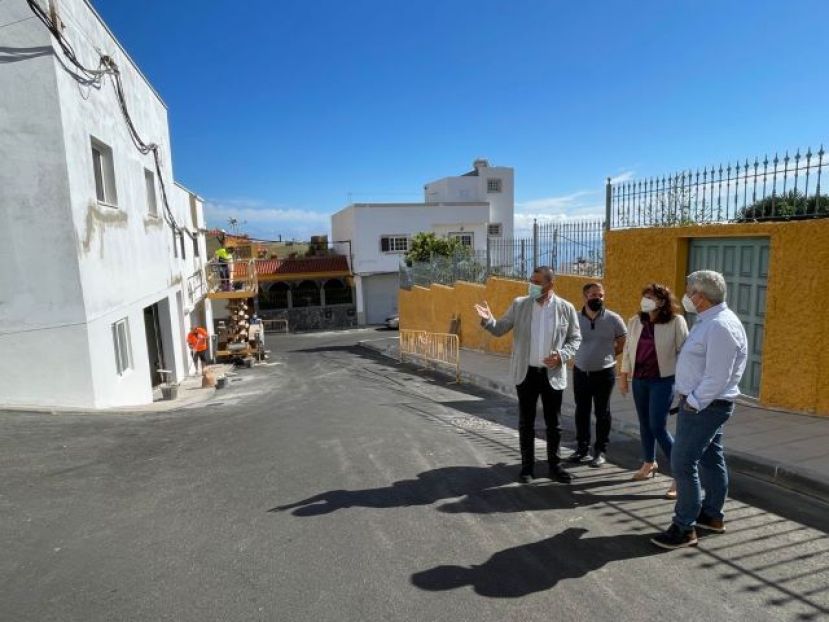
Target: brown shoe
(647,470)
(715,525)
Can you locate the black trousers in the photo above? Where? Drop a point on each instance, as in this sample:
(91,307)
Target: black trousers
(592,392)
(537,383)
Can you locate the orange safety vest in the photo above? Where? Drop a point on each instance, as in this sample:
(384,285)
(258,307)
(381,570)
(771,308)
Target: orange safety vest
(197,339)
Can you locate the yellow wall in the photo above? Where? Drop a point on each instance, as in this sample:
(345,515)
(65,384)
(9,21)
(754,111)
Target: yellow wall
(796,342)
(432,308)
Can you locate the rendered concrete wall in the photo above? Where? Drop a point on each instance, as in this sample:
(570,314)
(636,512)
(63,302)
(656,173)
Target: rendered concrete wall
(432,308)
(796,343)
(74,265)
(42,332)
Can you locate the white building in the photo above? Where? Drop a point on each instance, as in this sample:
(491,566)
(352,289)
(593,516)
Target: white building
(494,185)
(380,233)
(97,290)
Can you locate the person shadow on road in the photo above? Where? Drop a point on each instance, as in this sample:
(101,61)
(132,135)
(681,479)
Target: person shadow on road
(476,490)
(538,566)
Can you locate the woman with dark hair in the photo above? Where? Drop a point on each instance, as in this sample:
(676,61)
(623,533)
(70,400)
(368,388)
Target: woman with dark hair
(655,336)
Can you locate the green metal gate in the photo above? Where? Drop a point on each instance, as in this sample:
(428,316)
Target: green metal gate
(745,264)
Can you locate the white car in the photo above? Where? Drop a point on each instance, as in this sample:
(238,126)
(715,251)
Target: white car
(393,322)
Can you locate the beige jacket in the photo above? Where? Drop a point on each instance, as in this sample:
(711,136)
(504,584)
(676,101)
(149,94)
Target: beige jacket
(668,339)
(518,318)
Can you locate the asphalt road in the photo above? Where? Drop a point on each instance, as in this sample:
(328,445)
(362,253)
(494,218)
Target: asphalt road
(336,485)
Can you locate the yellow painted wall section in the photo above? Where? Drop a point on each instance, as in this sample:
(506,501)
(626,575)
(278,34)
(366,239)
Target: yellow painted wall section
(796,341)
(434,307)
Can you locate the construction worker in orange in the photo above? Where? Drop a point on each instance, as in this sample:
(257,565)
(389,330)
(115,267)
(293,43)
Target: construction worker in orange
(197,340)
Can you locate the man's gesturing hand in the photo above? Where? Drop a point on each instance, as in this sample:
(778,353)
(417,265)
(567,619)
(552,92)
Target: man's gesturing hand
(553,361)
(484,311)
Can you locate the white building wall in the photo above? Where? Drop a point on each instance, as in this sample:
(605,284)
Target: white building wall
(43,336)
(475,188)
(367,223)
(75,266)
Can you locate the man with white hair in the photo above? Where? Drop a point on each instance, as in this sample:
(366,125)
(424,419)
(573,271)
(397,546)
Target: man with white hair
(708,373)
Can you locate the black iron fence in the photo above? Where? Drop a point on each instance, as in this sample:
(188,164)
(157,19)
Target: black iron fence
(778,188)
(569,247)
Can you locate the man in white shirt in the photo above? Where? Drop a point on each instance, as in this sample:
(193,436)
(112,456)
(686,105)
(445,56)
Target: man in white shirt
(546,335)
(708,372)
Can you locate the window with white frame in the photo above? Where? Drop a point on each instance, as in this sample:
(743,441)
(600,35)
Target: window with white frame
(149,183)
(103,171)
(123,349)
(465,238)
(394,243)
(494,230)
(493,185)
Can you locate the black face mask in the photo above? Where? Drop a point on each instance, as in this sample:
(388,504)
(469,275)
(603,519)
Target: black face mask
(595,304)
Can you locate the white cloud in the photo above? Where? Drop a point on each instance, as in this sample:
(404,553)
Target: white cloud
(260,219)
(622,177)
(583,204)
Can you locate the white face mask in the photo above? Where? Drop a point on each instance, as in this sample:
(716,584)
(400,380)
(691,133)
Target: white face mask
(688,304)
(535,291)
(647,305)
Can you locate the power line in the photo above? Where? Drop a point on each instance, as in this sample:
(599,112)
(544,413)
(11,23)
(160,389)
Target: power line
(108,66)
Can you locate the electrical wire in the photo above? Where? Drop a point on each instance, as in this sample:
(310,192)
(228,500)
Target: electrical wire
(108,66)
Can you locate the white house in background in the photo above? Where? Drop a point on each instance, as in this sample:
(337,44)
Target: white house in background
(97,290)
(471,207)
(494,185)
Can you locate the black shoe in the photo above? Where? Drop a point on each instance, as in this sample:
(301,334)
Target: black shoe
(598,461)
(676,538)
(578,456)
(526,478)
(559,474)
(715,525)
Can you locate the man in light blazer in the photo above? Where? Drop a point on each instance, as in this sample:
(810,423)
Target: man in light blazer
(546,335)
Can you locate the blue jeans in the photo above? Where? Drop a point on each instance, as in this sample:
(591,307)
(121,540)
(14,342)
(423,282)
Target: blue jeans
(698,463)
(653,397)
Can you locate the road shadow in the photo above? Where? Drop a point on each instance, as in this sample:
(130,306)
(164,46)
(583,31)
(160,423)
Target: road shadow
(538,566)
(483,490)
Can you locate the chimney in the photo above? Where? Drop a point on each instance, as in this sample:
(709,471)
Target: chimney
(480,163)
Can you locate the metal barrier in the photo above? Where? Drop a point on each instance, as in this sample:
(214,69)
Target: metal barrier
(442,348)
(272,324)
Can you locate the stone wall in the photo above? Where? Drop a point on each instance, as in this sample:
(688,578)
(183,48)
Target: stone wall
(315,318)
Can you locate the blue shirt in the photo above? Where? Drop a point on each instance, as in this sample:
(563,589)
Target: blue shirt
(713,358)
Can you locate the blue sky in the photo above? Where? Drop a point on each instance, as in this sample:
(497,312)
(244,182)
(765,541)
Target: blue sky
(279,110)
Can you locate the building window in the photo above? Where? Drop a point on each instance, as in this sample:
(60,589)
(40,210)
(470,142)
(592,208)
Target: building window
(104,172)
(394,243)
(494,230)
(149,183)
(493,185)
(123,351)
(181,241)
(195,245)
(175,244)
(465,238)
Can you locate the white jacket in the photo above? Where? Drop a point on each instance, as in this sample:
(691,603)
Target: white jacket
(565,331)
(668,339)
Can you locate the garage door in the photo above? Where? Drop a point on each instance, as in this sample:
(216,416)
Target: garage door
(744,262)
(380,296)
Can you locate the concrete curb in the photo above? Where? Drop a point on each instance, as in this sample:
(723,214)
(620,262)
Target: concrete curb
(803,481)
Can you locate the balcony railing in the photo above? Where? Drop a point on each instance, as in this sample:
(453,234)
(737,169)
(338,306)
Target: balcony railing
(232,279)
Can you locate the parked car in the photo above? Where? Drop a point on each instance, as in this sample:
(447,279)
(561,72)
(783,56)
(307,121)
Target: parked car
(393,322)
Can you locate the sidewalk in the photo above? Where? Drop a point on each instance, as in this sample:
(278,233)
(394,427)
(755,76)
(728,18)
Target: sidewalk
(190,393)
(789,449)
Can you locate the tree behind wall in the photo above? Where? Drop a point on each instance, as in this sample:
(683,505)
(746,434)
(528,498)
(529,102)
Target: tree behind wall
(793,204)
(425,246)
